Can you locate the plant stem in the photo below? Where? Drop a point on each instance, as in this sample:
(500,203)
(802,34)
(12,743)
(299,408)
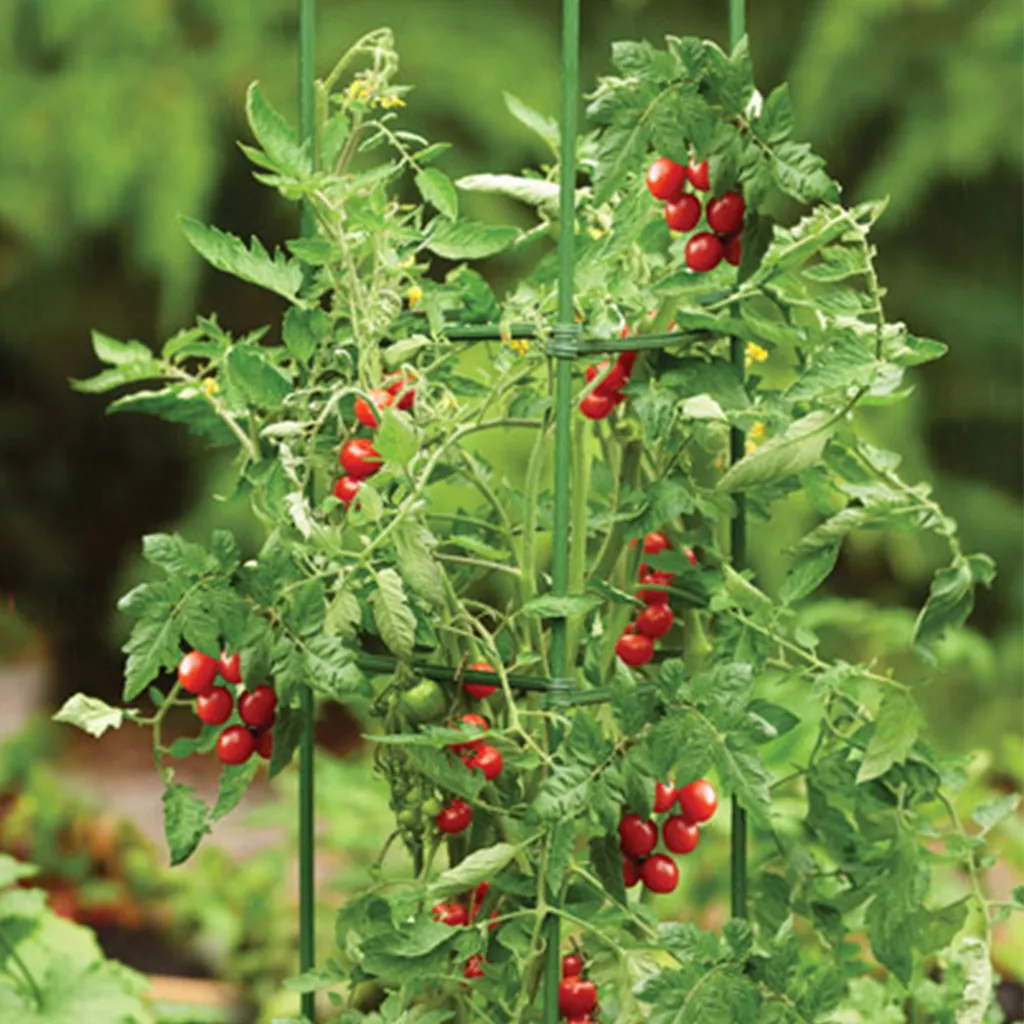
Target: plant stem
(33,987)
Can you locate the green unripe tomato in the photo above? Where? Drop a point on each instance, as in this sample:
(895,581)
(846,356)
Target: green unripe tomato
(408,818)
(432,807)
(414,796)
(425,702)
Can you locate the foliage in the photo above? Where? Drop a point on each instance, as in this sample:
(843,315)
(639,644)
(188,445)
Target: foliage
(332,587)
(52,971)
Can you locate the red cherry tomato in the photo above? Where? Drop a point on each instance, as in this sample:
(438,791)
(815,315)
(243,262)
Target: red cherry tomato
(366,411)
(658,578)
(454,818)
(634,649)
(214,707)
(265,744)
(402,389)
(235,745)
(725,215)
(474,721)
(488,760)
(637,837)
(346,488)
(698,801)
(733,251)
(679,835)
(665,179)
(684,214)
(630,872)
(655,542)
(627,359)
(664,797)
(230,667)
(704,252)
(699,175)
(655,620)
(257,708)
(572,965)
(360,458)
(689,552)
(481,691)
(576,996)
(618,377)
(453,914)
(660,873)
(474,968)
(479,895)
(595,406)
(196,672)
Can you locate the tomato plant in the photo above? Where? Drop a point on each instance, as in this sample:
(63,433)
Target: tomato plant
(556,820)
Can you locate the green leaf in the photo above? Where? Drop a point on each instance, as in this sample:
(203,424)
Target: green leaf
(988,815)
(414,545)
(396,441)
(12,870)
(119,353)
(234,781)
(743,773)
(437,189)
(172,553)
(306,611)
(564,793)
(479,866)
(534,191)
(261,384)
(975,961)
(550,606)
(545,127)
(344,615)
(304,331)
(895,732)
(395,621)
(797,449)
(800,173)
(331,669)
(848,360)
(275,135)
(152,646)
(287,735)
(179,404)
(808,574)
(254,264)
(90,714)
(776,120)
(186,821)
(466,240)
(606,859)
(951,598)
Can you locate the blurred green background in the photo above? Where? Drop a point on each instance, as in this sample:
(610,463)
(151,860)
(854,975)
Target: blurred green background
(116,116)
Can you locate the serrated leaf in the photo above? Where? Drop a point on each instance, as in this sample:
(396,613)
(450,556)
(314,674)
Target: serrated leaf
(467,240)
(951,597)
(414,545)
(90,714)
(395,621)
(847,361)
(743,773)
(534,191)
(251,263)
(545,127)
(331,668)
(305,614)
(437,189)
(786,454)
(275,135)
(396,440)
(287,736)
(344,615)
(304,330)
(975,960)
(234,781)
(260,383)
(564,793)
(186,821)
(808,574)
(989,815)
(896,729)
(479,866)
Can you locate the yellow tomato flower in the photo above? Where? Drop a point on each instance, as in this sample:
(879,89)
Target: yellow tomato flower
(755,354)
(414,295)
(518,345)
(756,431)
(390,102)
(210,386)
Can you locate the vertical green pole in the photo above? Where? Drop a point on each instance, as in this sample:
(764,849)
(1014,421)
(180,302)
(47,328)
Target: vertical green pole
(738,543)
(565,333)
(307,833)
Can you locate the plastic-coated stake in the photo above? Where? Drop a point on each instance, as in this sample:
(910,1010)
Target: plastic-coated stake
(738,542)
(565,331)
(307,832)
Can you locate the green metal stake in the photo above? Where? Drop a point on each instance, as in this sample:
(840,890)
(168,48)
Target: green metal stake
(307,832)
(738,541)
(566,331)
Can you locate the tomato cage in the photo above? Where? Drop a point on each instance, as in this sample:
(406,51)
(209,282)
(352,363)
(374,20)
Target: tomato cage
(567,342)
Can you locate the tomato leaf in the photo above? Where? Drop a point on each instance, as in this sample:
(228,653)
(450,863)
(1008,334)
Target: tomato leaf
(990,814)
(395,621)
(466,240)
(186,821)
(550,606)
(414,545)
(479,866)
(234,781)
(951,598)
(90,714)
(437,189)
(545,127)
(283,149)
(895,732)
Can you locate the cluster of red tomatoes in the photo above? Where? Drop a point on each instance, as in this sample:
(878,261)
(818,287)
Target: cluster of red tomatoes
(477,755)
(577,996)
(197,674)
(612,378)
(681,832)
(636,645)
(358,457)
(458,915)
(667,181)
